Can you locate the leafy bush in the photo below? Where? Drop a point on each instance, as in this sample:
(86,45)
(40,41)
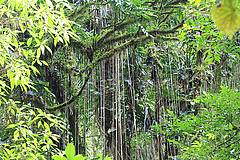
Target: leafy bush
(70,154)
(30,137)
(213,133)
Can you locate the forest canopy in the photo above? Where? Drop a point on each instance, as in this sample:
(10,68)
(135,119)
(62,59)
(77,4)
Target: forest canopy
(119,79)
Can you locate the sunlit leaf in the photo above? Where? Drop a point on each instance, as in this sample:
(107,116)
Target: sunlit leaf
(226,17)
(48,49)
(29,42)
(45,63)
(23,132)
(38,42)
(55,41)
(54,138)
(12,126)
(49,3)
(42,48)
(79,157)
(70,151)
(46,126)
(38,53)
(39,123)
(16,134)
(59,158)
(44,147)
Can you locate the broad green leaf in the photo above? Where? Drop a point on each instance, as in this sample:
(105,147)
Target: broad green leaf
(59,158)
(12,80)
(66,38)
(70,151)
(36,118)
(79,157)
(226,17)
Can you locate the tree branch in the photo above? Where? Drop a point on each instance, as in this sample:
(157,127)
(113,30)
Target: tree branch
(66,103)
(228,140)
(122,47)
(163,32)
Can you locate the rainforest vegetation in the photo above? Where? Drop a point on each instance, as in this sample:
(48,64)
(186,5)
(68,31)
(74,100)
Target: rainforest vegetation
(119,79)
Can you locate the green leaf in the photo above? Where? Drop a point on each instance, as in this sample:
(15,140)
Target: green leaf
(59,158)
(70,151)
(12,126)
(48,49)
(45,63)
(56,40)
(15,42)
(38,53)
(33,112)
(46,126)
(39,123)
(226,17)
(44,147)
(38,42)
(47,90)
(40,63)
(16,134)
(168,111)
(12,81)
(79,157)
(50,22)
(41,34)
(23,132)
(22,28)
(55,138)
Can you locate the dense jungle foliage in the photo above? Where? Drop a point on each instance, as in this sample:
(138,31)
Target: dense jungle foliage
(119,79)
